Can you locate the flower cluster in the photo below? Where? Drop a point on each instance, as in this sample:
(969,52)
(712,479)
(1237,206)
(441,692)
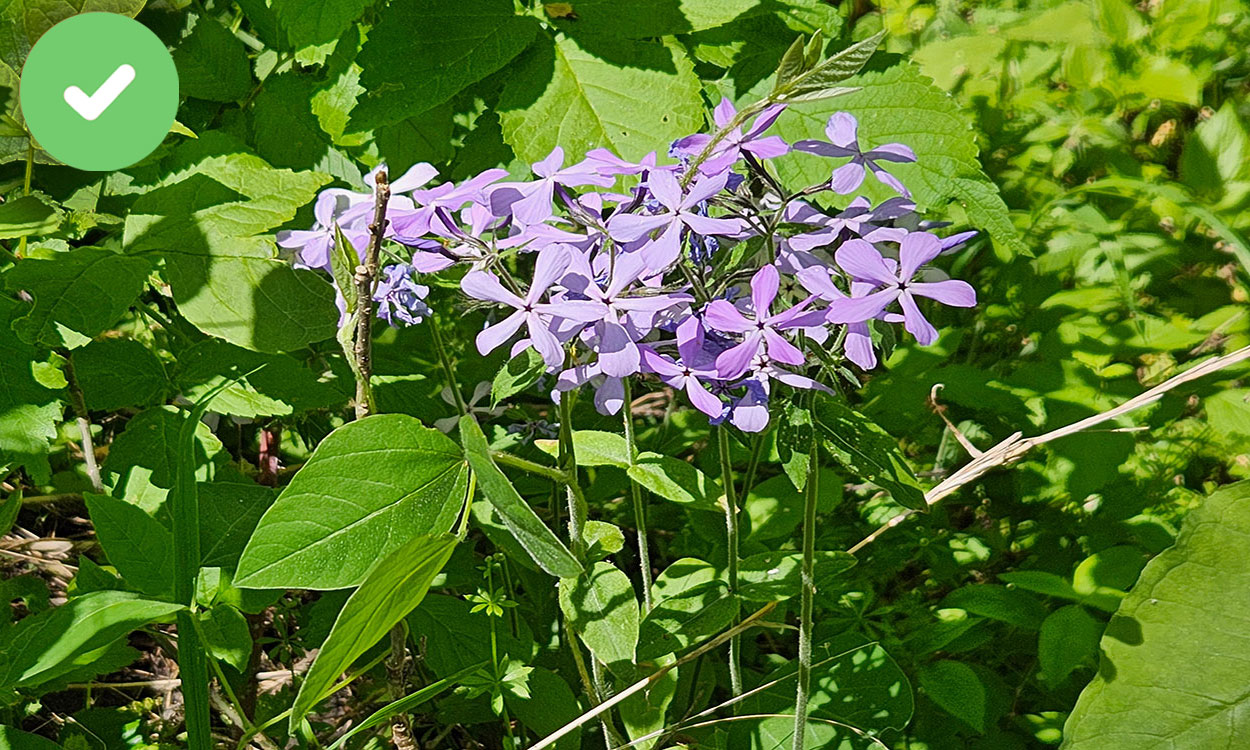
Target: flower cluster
(704,274)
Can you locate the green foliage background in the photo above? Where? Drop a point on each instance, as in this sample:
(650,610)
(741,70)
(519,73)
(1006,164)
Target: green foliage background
(1101,146)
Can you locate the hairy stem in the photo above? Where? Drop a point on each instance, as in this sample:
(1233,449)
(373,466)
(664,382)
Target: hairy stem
(807,595)
(578,509)
(366,280)
(731,538)
(640,508)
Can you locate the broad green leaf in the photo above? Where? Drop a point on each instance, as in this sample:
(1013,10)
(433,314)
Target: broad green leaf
(44,646)
(13,739)
(775,507)
(957,689)
(314,22)
(1011,606)
(853,683)
(229,512)
(677,481)
(1068,640)
(600,606)
(119,373)
(776,576)
(678,622)
(550,705)
(629,97)
(1214,162)
(142,459)
(136,544)
(680,576)
(645,19)
(406,74)
(78,294)
(593,448)
(369,487)
(1049,584)
(212,63)
(208,219)
(26,216)
(287,133)
(520,373)
(794,443)
(529,530)
(392,589)
(1173,672)
(256,385)
(226,636)
(456,638)
(866,450)
(29,411)
(603,539)
(1114,568)
(947,167)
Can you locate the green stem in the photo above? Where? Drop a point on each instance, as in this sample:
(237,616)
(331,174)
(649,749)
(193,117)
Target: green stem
(30,168)
(640,507)
(731,537)
(807,595)
(449,369)
(578,509)
(537,469)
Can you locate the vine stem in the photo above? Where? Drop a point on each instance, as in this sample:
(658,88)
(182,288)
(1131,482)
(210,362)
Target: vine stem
(366,280)
(807,594)
(640,508)
(731,538)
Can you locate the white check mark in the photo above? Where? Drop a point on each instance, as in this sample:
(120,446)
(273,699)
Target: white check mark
(91,107)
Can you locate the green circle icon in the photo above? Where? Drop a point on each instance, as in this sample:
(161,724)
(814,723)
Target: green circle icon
(99,91)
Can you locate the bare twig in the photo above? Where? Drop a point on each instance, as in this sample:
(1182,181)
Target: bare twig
(1015,446)
(366,280)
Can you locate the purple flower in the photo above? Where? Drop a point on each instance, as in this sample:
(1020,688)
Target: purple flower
(535,315)
(399,296)
(843,131)
(530,202)
(683,211)
(893,280)
(313,246)
(729,149)
(858,219)
(609,391)
(762,331)
(693,367)
(613,312)
(858,343)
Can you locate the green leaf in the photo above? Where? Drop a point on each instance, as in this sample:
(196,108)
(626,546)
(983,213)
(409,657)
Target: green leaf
(866,450)
(119,373)
(406,74)
(685,619)
(775,576)
(10,506)
(26,216)
(677,481)
(1173,672)
(343,263)
(394,587)
(208,219)
(141,461)
(551,704)
(935,128)
(136,544)
(1011,606)
(601,607)
(630,97)
(78,294)
(527,528)
(12,739)
(521,372)
(229,513)
(854,684)
(821,81)
(212,63)
(1068,640)
(775,507)
(593,448)
(644,19)
(957,689)
(317,22)
(256,385)
(28,410)
(370,486)
(794,443)
(227,636)
(41,647)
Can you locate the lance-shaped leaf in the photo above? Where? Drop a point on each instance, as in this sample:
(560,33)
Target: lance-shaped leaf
(866,450)
(370,486)
(821,81)
(393,589)
(529,530)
